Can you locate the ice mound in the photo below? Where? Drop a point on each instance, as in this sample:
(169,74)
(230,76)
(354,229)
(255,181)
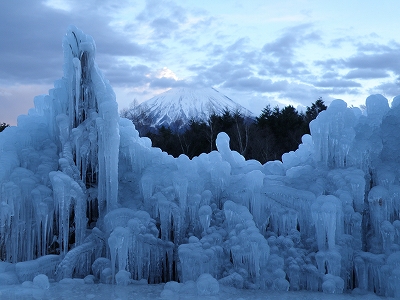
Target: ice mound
(84,199)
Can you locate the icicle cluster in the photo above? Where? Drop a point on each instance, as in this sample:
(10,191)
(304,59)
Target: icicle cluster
(82,194)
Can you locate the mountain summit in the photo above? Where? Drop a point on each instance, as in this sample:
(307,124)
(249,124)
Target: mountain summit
(177,106)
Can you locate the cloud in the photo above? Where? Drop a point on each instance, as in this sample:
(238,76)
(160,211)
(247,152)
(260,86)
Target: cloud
(284,68)
(330,64)
(124,74)
(388,89)
(154,8)
(338,42)
(163,20)
(28,49)
(330,75)
(372,47)
(366,74)
(163,27)
(138,76)
(238,45)
(285,46)
(279,57)
(337,83)
(31,41)
(17,99)
(240,67)
(166,82)
(256,84)
(304,94)
(193,43)
(215,74)
(370,61)
(127,60)
(388,59)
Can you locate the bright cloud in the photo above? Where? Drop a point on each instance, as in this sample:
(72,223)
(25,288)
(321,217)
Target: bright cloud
(58,4)
(166,73)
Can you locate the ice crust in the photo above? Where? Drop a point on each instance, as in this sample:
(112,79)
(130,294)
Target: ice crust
(82,196)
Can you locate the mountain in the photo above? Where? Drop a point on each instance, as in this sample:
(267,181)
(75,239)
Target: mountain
(177,106)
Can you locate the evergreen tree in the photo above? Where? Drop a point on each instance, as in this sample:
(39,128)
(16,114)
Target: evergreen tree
(3,126)
(139,116)
(286,126)
(275,132)
(195,139)
(313,111)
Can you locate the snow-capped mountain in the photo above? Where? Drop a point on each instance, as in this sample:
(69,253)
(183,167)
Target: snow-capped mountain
(177,106)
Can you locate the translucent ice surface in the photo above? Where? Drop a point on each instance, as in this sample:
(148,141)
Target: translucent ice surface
(84,199)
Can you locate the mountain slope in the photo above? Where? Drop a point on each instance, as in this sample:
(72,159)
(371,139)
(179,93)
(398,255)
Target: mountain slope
(178,106)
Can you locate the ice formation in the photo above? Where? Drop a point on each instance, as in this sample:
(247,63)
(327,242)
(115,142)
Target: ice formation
(83,197)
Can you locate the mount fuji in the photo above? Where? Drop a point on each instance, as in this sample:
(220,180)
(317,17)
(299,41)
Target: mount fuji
(177,106)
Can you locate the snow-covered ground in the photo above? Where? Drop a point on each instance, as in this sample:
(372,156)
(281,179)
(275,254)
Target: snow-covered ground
(139,292)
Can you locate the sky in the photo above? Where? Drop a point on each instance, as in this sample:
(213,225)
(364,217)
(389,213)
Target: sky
(256,52)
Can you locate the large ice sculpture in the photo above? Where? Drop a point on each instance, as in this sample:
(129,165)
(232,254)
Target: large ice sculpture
(82,194)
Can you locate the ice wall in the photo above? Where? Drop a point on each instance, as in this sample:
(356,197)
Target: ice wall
(82,194)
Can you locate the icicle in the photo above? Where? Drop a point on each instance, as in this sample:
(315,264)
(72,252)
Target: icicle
(205,217)
(118,243)
(329,262)
(387,232)
(181,186)
(378,203)
(68,195)
(327,217)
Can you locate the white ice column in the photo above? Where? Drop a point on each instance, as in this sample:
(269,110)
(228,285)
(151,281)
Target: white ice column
(378,199)
(68,195)
(118,243)
(108,143)
(181,186)
(327,213)
(205,217)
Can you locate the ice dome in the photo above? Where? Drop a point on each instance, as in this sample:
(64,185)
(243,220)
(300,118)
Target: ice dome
(83,196)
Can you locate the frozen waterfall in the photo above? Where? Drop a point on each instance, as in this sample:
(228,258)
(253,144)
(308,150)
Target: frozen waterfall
(81,194)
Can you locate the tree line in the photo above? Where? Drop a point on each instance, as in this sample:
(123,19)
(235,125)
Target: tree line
(3,126)
(274,132)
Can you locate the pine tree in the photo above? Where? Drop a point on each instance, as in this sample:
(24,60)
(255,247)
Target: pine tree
(3,126)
